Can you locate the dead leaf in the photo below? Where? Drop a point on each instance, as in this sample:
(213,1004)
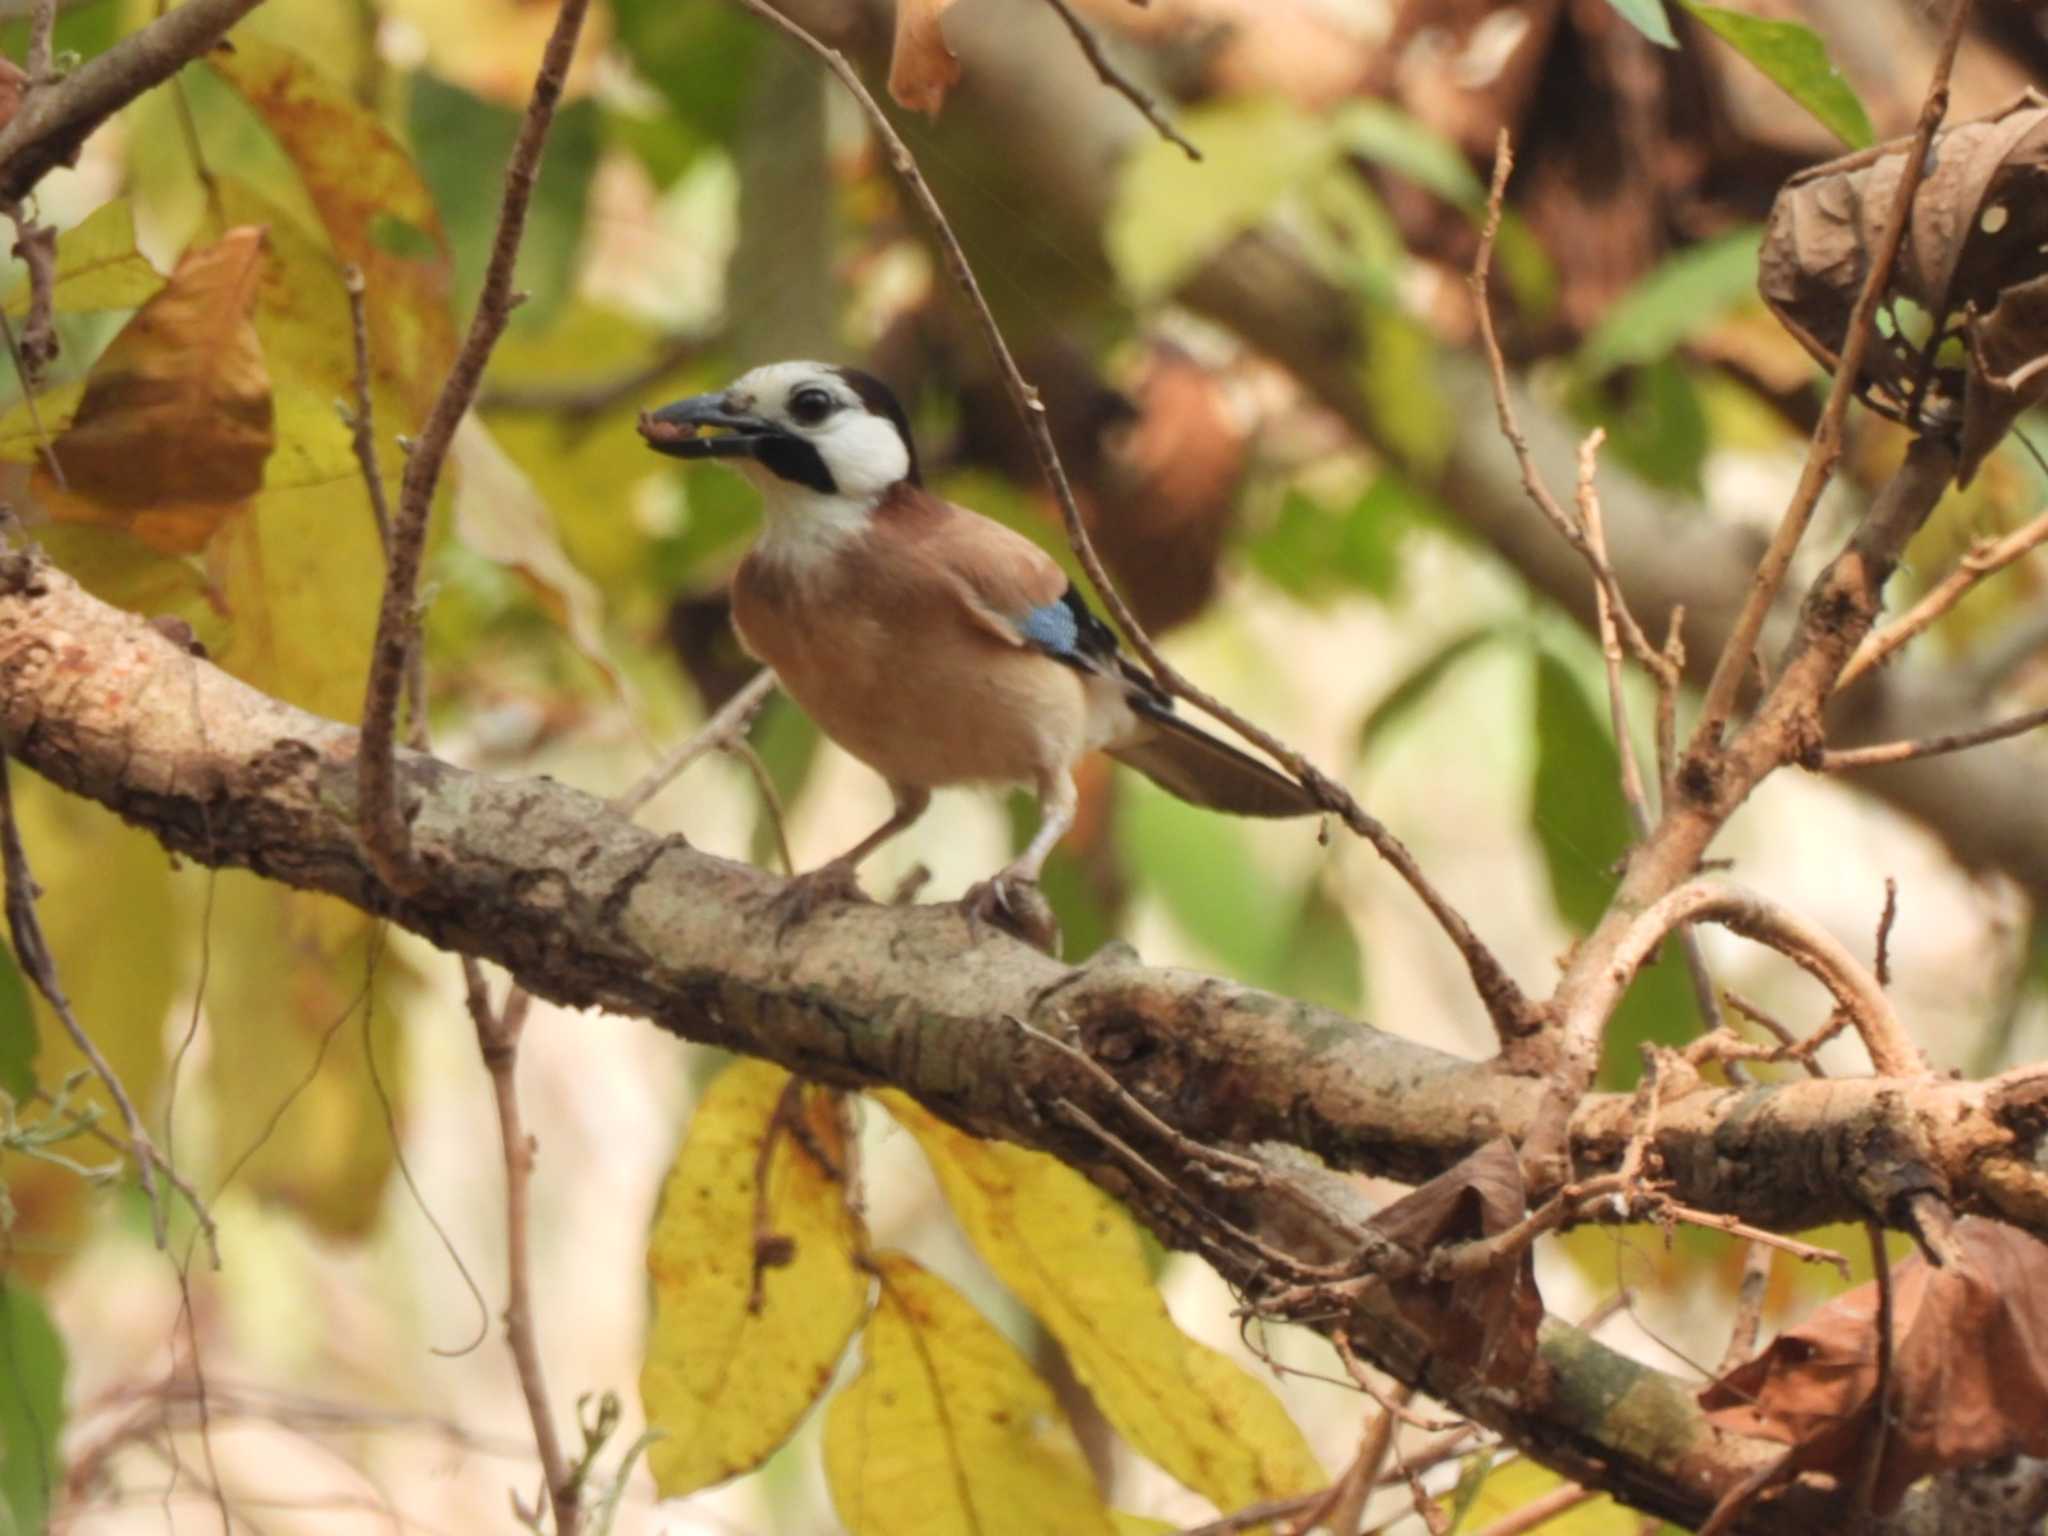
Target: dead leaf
(1969,1369)
(1485,1323)
(177,420)
(1961,322)
(921,67)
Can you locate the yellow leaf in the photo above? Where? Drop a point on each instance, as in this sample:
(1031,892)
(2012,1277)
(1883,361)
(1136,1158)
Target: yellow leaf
(921,67)
(121,943)
(176,424)
(374,206)
(297,1112)
(1513,1487)
(725,1382)
(1070,1254)
(947,1430)
(98,266)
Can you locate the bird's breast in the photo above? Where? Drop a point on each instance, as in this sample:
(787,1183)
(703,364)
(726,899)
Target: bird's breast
(880,652)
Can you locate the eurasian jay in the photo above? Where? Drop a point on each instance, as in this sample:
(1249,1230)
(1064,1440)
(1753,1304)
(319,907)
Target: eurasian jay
(935,645)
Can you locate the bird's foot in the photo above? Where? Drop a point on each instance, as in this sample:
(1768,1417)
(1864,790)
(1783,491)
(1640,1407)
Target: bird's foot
(796,903)
(1013,902)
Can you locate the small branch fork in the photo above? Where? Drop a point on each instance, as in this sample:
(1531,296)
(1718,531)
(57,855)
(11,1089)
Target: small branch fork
(1513,1014)
(386,840)
(1826,450)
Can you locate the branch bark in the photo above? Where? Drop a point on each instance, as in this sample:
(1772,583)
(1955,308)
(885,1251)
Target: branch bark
(587,909)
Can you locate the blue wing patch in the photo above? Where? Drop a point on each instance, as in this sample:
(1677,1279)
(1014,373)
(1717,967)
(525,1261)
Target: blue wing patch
(1053,629)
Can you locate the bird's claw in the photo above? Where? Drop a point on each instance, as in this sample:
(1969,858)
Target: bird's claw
(798,900)
(1014,904)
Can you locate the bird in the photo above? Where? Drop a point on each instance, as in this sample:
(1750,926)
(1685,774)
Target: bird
(932,643)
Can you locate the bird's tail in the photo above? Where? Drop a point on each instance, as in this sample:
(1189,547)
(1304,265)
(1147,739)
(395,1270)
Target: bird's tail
(1205,770)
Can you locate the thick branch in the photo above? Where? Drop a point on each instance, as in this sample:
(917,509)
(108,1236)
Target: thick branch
(587,909)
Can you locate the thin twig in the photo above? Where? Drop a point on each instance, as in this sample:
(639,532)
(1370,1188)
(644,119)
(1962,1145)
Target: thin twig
(1116,80)
(36,244)
(361,420)
(1512,1013)
(1826,449)
(1840,760)
(1252,1515)
(33,955)
(1749,1307)
(1873,1464)
(497,1036)
(1540,1510)
(1816,951)
(727,725)
(1982,561)
(380,817)
(40,59)
(1885,919)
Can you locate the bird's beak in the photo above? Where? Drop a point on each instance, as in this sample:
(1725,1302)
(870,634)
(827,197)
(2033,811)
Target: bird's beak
(675,428)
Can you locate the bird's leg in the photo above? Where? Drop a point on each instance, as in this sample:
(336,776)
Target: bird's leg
(1010,899)
(836,879)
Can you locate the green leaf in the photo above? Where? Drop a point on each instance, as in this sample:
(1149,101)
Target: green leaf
(31,1407)
(1648,18)
(1405,697)
(1325,964)
(98,266)
(1391,138)
(18,1038)
(700,55)
(1582,827)
(1795,60)
(1319,553)
(1398,377)
(1200,865)
(1171,213)
(454,134)
(1684,295)
(1656,424)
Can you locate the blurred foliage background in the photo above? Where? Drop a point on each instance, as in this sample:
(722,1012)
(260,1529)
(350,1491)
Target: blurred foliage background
(1239,358)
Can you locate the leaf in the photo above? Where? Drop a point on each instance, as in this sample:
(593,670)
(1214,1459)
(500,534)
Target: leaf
(725,1382)
(1969,1369)
(1319,553)
(1070,1254)
(1403,144)
(1400,702)
(455,132)
(301,1113)
(701,56)
(1507,1487)
(946,1431)
(1681,297)
(1171,214)
(1793,58)
(1200,865)
(921,67)
(1656,423)
(500,515)
(19,1040)
(98,266)
(1648,18)
(1397,374)
(359,179)
(177,422)
(32,1366)
(1582,828)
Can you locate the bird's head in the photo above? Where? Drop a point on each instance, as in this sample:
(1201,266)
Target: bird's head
(835,432)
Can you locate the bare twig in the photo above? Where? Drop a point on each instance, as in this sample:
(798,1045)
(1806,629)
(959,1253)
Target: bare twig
(1118,81)
(1817,952)
(1982,561)
(386,839)
(1253,1515)
(1841,760)
(1826,449)
(1540,1510)
(1882,966)
(726,726)
(361,420)
(497,1037)
(1873,1464)
(53,123)
(1749,1307)
(36,348)
(40,59)
(1513,1014)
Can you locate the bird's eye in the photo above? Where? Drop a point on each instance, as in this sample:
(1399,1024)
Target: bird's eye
(811,405)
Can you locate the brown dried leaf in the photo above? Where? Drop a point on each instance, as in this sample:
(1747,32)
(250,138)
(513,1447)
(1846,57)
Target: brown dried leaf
(1969,1369)
(1979,222)
(177,420)
(1486,1323)
(921,67)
